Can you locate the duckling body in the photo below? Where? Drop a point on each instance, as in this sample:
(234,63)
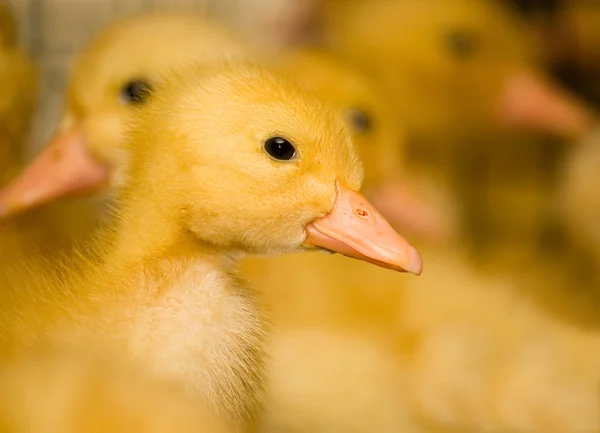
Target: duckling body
(161,284)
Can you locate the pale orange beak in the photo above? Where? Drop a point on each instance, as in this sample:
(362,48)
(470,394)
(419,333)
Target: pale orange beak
(356,229)
(529,101)
(63,168)
(405,208)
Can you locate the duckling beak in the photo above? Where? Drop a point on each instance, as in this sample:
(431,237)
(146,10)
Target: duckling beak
(529,101)
(356,229)
(64,167)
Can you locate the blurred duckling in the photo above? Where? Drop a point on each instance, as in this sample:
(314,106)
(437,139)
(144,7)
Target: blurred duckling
(110,77)
(262,167)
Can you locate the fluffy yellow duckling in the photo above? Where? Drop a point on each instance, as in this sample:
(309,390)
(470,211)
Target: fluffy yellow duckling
(71,390)
(222,161)
(113,74)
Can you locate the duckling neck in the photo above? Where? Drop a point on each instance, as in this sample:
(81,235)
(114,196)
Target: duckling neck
(147,230)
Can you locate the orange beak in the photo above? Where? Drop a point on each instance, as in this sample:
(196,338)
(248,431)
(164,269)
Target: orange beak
(356,229)
(63,168)
(403,206)
(531,102)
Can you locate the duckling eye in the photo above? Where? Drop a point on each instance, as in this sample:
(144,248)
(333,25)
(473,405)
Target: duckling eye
(461,43)
(360,121)
(280,149)
(135,92)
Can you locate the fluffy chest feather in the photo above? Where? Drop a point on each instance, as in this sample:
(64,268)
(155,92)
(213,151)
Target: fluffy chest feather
(199,325)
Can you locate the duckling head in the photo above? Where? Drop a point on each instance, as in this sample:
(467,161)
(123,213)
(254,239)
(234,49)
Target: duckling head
(379,138)
(18,91)
(242,160)
(110,77)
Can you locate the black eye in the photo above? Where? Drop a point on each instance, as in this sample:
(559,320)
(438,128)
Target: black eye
(135,92)
(359,120)
(280,149)
(461,43)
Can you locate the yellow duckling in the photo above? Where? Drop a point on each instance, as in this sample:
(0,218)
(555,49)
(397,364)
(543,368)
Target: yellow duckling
(112,75)
(222,162)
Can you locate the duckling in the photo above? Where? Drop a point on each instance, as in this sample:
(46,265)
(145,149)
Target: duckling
(112,75)
(254,165)
(60,389)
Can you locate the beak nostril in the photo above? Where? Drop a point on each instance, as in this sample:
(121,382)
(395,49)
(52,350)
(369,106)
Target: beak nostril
(361,212)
